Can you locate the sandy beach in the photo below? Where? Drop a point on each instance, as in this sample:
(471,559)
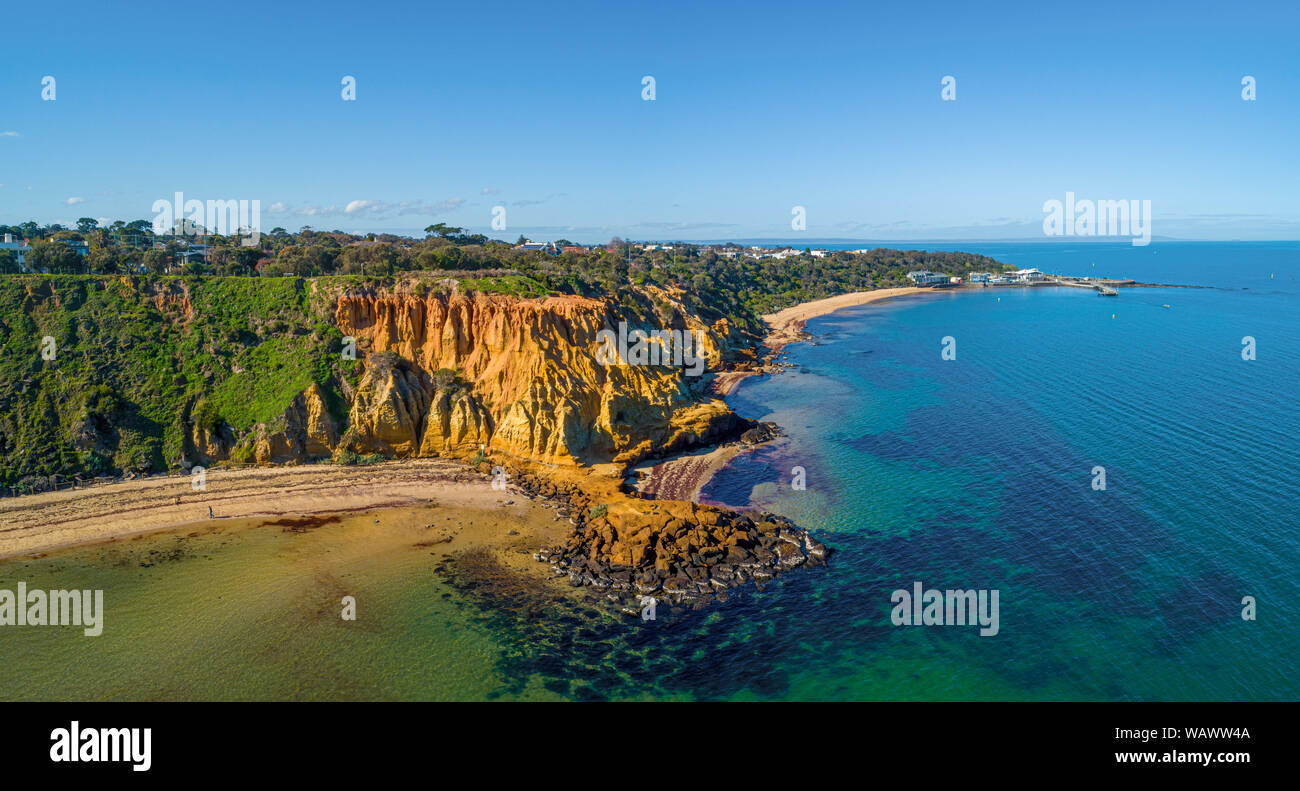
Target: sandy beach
(682,477)
(51,520)
(786,326)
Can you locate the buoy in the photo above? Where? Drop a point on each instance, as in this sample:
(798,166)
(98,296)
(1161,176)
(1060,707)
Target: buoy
(1112,315)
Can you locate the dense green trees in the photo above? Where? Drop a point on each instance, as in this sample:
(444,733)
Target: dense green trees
(715,281)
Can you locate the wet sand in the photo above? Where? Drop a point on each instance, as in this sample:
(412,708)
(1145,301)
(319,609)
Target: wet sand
(51,520)
(682,477)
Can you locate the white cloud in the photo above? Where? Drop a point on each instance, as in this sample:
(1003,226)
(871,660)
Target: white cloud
(361,205)
(277,208)
(10,134)
(74,201)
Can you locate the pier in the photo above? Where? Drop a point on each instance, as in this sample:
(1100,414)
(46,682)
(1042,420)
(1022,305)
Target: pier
(1100,288)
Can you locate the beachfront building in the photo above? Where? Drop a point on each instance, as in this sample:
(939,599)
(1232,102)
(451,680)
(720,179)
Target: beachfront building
(924,277)
(1027,276)
(18,247)
(978,278)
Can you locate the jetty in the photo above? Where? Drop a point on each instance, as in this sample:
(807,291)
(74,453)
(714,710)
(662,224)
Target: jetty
(1100,288)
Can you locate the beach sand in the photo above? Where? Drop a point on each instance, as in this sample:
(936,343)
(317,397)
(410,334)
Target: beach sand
(682,477)
(786,326)
(51,520)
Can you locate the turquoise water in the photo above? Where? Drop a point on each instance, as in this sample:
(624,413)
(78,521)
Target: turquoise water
(974,473)
(977,473)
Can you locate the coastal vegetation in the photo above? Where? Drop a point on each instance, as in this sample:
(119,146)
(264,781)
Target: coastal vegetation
(126,359)
(719,281)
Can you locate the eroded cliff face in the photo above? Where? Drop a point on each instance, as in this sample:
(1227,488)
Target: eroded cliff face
(536,385)
(448,374)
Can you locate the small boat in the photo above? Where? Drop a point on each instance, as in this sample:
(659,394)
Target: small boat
(1164,306)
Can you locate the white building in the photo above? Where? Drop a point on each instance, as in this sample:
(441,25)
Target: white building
(19,247)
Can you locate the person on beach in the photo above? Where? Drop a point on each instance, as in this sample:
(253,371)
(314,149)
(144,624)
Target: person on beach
(210,512)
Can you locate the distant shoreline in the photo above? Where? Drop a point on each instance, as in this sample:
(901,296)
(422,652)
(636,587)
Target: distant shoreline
(786,327)
(685,476)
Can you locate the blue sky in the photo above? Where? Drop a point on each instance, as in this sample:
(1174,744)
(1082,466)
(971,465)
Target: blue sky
(759,107)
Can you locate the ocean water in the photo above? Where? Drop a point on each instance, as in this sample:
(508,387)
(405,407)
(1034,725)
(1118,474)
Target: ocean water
(975,473)
(978,473)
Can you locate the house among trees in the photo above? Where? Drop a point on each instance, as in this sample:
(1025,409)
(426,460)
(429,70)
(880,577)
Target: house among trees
(17,250)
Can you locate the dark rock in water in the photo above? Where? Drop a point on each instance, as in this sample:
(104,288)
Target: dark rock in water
(685,560)
(789,556)
(763,432)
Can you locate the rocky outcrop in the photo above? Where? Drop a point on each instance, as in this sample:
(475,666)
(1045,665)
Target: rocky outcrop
(389,409)
(449,374)
(456,425)
(538,389)
(209,444)
(678,551)
(305,431)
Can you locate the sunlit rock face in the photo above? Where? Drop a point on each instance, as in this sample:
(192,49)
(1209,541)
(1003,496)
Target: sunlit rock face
(524,376)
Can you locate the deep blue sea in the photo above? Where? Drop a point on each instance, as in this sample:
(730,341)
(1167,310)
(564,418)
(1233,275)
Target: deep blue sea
(978,473)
